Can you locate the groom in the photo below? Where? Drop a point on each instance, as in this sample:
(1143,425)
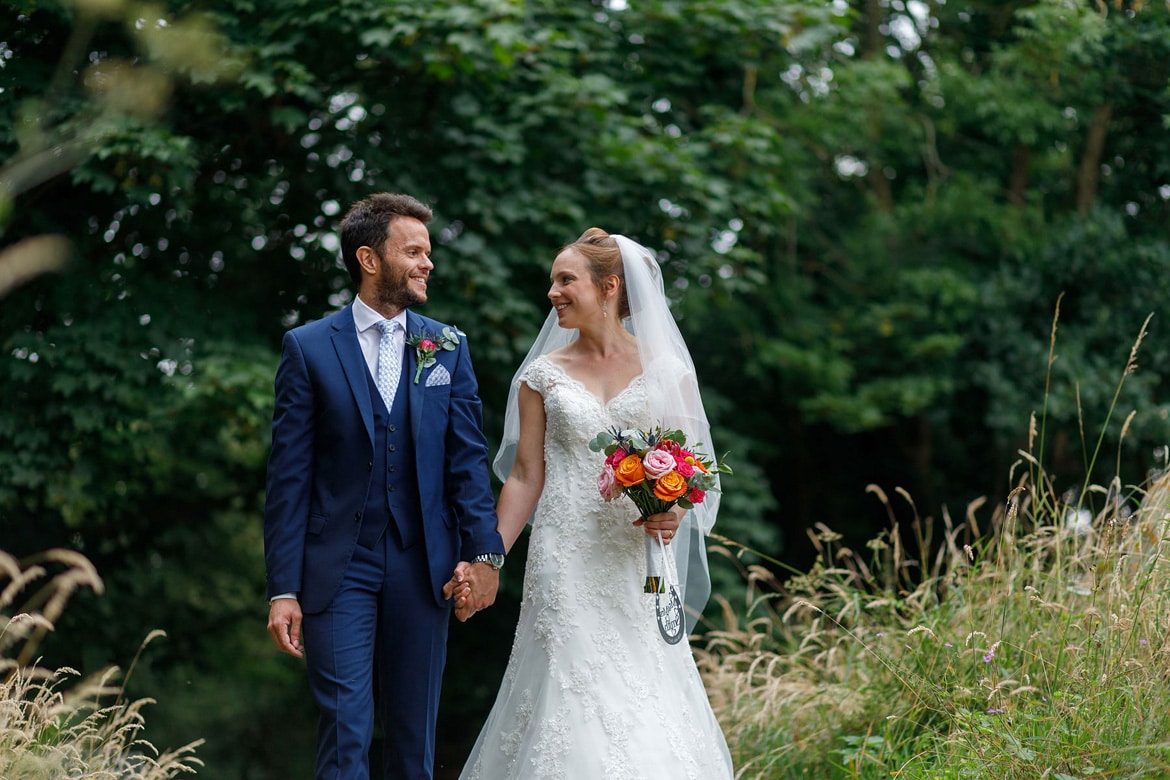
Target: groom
(377,489)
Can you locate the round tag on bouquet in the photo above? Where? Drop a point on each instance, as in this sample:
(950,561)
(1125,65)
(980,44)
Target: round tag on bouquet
(667,604)
(670,615)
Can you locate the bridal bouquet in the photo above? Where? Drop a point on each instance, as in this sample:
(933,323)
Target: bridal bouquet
(656,471)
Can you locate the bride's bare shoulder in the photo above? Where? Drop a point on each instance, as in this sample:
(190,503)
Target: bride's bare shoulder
(561,355)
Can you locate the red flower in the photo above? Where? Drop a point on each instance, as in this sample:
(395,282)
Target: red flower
(696,496)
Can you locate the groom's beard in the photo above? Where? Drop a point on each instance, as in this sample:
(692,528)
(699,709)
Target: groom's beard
(394,289)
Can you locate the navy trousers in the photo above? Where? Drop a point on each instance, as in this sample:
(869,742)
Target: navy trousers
(384,614)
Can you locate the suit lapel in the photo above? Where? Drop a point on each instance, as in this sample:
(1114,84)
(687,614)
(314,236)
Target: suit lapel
(409,366)
(353,365)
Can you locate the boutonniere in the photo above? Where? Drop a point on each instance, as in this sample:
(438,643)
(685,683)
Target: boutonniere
(427,344)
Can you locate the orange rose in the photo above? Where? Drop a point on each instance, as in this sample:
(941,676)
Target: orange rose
(670,486)
(629,472)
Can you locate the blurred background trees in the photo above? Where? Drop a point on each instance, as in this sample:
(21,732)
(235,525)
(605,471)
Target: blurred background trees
(865,211)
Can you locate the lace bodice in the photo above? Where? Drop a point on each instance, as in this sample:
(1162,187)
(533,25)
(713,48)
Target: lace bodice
(591,690)
(574,415)
(575,529)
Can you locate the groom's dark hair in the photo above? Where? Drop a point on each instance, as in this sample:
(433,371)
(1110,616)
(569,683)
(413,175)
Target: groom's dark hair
(605,258)
(367,223)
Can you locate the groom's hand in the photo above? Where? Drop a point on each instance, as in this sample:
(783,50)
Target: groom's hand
(284,624)
(485,581)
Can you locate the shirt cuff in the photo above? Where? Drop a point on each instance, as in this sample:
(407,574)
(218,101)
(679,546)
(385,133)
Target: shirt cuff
(292,596)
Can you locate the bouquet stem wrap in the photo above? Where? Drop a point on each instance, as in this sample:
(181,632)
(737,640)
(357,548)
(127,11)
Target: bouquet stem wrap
(655,581)
(649,504)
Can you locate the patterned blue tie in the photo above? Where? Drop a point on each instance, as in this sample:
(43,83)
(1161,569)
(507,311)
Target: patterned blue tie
(389,361)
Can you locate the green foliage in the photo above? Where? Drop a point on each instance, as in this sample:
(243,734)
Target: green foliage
(1112,281)
(1034,649)
(865,218)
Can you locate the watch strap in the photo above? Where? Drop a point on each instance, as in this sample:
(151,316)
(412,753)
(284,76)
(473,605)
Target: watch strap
(495,560)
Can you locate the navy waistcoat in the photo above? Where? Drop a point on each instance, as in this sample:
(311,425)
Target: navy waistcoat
(393,492)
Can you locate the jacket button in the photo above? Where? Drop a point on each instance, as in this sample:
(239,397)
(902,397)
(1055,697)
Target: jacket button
(391,467)
(357,516)
(392,448)
(370,466)
(393,428)
(390,488)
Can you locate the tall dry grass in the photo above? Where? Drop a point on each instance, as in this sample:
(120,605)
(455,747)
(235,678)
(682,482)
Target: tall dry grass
(1034,647)
(54,723)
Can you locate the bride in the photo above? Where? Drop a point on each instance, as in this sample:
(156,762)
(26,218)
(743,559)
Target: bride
(591,689)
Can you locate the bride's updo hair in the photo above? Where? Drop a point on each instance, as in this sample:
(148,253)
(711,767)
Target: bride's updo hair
(605,258)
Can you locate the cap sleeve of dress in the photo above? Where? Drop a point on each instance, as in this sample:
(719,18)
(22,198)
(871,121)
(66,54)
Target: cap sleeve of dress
(540,375)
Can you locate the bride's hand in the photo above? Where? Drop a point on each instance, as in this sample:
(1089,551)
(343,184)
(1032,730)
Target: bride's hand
(665,523)
(459,589)
(463,612)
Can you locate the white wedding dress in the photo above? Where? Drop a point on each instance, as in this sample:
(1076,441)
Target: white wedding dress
(591,691)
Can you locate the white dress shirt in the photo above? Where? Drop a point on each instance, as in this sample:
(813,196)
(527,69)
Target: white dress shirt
(366,321)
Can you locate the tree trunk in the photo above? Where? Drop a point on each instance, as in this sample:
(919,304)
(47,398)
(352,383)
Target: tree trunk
(750,75)
(1018,180)
(880,186)
(1091,159)
(871,49)
(872,45)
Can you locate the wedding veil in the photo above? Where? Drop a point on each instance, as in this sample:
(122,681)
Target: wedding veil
(675,403)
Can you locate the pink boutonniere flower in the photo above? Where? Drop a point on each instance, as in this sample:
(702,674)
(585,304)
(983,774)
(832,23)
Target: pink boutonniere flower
(426,346)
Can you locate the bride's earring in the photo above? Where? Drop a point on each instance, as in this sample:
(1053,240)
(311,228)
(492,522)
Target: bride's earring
(604,309)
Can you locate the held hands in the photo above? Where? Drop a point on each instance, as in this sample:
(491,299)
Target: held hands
(473,586)
(284,624)
(459,588)
(664,522)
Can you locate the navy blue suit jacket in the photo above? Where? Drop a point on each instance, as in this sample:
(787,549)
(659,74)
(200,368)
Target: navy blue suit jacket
(319,471)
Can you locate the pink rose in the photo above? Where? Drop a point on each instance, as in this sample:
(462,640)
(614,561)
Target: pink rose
(658,463)
(427,345)
(607,485)
(696,496)
(684,467)
(617,457)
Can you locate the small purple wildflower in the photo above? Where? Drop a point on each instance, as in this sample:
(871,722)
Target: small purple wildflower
(1142,642)
(988,656)
(995,711)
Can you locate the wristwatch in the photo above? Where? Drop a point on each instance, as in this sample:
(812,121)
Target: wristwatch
(495,560)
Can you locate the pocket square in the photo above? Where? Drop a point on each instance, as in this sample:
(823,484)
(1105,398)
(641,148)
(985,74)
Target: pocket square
(438,376)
